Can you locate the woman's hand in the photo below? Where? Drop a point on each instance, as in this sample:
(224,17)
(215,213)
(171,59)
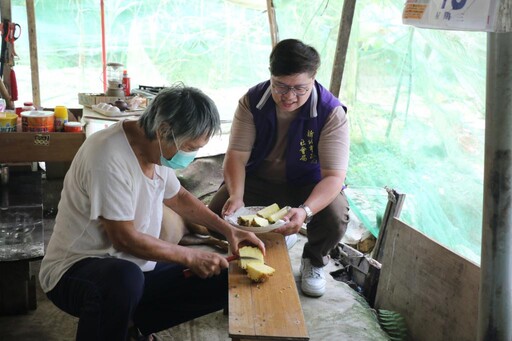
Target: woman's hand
(294,220)
(231,205)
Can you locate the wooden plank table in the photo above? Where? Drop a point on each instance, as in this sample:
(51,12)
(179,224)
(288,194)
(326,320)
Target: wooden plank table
(269,310)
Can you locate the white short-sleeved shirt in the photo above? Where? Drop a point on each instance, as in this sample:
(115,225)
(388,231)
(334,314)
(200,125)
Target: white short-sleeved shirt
(104,180)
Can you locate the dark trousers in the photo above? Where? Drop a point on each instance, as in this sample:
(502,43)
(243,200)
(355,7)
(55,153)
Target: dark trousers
(326,228)
(107,294)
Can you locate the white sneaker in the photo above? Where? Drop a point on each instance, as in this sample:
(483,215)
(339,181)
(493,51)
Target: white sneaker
(312,279)
(291,240)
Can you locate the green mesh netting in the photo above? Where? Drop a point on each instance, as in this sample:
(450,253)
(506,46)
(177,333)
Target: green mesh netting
(415,96)
(416,107)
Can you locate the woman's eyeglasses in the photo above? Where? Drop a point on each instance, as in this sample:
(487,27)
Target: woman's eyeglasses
(284,89)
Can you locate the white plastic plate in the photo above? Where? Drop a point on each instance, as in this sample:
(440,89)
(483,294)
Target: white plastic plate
(113,111)
(232,219)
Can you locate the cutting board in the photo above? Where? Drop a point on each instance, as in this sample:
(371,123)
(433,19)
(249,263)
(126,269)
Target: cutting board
(269,310)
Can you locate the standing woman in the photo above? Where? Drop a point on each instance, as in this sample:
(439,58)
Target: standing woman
(289,144)
(105,262)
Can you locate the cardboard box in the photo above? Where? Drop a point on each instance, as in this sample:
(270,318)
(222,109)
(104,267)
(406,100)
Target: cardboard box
(88,99)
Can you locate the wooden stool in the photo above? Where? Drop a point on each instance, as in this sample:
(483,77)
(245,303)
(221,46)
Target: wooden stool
(269,310)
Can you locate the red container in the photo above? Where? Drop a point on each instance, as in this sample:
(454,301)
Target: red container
(37,121)
(73,127)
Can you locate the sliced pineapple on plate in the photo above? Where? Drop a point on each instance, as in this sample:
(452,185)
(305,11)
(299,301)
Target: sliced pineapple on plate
(278,215)
(267,211)
(246,220)
(259,222)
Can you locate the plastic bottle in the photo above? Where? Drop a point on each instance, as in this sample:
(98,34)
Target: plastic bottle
(27,106)
(19,126)
(60,117)
(126,83)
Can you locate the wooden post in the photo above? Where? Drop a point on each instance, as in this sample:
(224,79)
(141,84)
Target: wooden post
(347,14)
(504,14)
(5,10)
(34,64)
(393,210)
(6,95)
(103,46)
(274,31)
(495,300)
(495,309)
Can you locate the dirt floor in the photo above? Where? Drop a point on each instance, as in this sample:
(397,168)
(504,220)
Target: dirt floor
(341,314)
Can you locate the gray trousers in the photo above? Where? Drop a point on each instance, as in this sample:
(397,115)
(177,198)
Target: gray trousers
(324,231)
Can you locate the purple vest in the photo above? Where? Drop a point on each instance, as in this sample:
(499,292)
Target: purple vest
(302,162)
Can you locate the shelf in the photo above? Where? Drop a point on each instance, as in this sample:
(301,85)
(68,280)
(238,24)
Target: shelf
(32,147)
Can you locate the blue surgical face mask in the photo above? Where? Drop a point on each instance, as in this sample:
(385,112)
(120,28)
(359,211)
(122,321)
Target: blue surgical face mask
(180,160)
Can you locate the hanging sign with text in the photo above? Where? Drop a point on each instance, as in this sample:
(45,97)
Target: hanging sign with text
(463,15)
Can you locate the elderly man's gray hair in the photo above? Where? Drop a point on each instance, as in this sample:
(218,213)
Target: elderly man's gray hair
(183,111)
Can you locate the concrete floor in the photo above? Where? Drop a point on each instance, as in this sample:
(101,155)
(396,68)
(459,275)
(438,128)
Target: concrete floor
(341,314)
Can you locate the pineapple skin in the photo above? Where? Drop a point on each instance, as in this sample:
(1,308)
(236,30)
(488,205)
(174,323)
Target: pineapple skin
(246,220)
(259,222)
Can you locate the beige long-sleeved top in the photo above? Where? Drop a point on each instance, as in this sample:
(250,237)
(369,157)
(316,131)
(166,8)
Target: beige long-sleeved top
(333,146)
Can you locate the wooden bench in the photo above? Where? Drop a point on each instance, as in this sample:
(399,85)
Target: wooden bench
(269,310)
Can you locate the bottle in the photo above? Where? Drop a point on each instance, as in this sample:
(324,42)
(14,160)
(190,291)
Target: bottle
(60,117)
(19,126)
(126,83)
(27,106)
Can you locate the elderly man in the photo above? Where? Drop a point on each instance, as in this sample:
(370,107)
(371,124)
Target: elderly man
(105,262)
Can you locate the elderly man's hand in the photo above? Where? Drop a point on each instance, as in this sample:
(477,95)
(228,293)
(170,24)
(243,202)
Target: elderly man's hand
(241,238)
(206,264)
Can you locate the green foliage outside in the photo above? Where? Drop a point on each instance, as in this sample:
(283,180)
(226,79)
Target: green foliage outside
(415,96)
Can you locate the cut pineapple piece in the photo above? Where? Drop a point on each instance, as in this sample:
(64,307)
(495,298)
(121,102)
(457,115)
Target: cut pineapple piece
(259,222)
(256,269)
(278,215)
(259,272)
(245,220)
(250,251)
(267,211)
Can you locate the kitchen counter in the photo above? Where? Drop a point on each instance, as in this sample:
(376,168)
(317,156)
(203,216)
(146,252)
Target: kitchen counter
(95,121)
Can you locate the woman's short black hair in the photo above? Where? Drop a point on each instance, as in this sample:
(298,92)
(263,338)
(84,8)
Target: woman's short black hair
(292,56)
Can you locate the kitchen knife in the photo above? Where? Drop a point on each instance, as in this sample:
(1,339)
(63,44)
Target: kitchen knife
(188,273)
